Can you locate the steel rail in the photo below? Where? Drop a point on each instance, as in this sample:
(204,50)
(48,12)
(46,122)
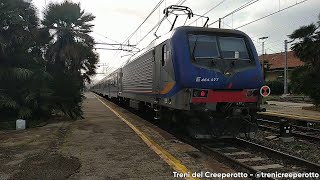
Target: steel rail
(278,154)
(230,161)
(294,133)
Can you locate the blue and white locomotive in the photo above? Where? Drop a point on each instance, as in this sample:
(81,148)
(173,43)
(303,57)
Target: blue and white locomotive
(206,79)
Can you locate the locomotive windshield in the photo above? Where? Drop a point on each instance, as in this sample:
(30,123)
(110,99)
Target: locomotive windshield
(215,47)
(202,46)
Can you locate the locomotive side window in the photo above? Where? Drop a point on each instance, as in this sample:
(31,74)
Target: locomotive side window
(164,55)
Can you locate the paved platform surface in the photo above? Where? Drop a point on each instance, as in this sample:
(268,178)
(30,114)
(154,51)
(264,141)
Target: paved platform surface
(112,149)
(289,104)
(101,146)
(184,156)
(292,109)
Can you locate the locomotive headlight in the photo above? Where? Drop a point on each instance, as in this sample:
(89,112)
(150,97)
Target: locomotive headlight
(252,92)
(256,92)
(196,93)
(200,93)
(249,93)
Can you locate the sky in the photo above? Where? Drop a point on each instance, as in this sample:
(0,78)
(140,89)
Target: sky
(116,20)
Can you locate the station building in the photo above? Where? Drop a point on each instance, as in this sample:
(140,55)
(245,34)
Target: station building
(274,64)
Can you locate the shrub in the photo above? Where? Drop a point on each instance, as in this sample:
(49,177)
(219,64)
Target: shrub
(276,87)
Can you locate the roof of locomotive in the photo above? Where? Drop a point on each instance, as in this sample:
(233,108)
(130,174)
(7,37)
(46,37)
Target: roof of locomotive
(161,39)
(181,29)
(185,29)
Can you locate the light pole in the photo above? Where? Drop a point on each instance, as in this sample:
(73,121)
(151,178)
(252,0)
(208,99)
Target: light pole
(285,83)
(263,39)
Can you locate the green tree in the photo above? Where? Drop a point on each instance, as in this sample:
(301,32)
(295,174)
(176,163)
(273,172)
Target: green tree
(23,80)
(307,47)
(70,54)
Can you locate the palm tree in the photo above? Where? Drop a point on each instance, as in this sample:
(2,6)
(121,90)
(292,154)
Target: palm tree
(307,47)
(70,55)
(306,79)
(21,61)
(70,27)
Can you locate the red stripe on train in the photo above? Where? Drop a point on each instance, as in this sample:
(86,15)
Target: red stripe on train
(224,96)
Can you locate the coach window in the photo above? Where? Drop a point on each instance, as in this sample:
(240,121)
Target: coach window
(115,80)
(164,54)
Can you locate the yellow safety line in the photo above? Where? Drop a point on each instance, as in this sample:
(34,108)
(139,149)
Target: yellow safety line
(290,116)
(165,155)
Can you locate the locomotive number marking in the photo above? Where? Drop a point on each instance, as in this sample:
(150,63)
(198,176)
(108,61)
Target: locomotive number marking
(199,79)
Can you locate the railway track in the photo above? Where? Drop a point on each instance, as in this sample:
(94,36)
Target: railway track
(306,133)
(254,159)
(247,157)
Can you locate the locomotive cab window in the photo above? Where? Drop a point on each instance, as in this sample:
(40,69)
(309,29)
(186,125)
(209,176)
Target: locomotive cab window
(215,47)
(233,48)
(203,46)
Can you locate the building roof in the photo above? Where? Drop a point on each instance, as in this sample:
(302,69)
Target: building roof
(276,60)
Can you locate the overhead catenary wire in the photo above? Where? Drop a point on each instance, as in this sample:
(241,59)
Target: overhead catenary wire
(292,24)
(241,7)
(254,40)
(159,22)
(211,9)
(115,46)
(139,27)
(103,41)
(231,13)
(247,4)
(106,37)
(181,2)
(258,44)
(280,10)
(114,49)
(156,25)
(153,10)
(277,42)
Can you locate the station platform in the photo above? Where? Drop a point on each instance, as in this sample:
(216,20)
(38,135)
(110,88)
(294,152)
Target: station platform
(114,150)
(290,110)
(109,143)
(112,144)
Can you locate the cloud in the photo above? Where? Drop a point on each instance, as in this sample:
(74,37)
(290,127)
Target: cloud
(132,12)
(118,19)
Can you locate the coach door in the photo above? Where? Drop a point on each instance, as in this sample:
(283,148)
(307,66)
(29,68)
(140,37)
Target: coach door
(120,81)
(162,57)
